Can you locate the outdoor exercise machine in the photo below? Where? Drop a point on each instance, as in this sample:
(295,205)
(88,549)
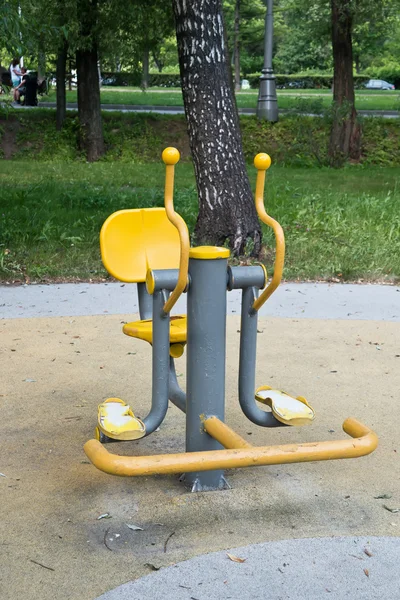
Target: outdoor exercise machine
(151,247)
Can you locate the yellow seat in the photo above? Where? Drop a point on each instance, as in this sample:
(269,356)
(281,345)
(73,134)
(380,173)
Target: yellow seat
(144,330)
(133,241)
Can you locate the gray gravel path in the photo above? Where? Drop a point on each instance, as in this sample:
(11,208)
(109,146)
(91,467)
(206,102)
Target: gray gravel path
(302,569)
(291,300)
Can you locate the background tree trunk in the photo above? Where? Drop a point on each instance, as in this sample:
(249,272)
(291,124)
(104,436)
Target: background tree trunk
(236,46)
(345,139)
(226,206)
(89,109)
(145,69)
(61,70)
(41,57)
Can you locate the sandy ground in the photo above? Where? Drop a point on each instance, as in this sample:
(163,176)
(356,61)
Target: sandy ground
(54,372)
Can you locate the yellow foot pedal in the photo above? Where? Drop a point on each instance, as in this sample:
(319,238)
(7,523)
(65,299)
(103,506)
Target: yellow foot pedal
(116,421)
(285,408)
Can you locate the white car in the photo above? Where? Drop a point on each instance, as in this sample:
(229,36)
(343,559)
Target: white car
(379,84)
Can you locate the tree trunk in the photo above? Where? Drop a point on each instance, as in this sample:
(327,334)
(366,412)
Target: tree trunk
(226,206)
(145,70)
(41,57)
(345,140)
(89,110)
(236,46)
(158,62)
(61,70)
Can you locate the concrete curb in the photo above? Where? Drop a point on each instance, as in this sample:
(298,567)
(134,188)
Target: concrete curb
(359,568)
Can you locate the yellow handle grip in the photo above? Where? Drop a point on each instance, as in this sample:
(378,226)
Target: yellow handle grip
(262,162)
(170,157)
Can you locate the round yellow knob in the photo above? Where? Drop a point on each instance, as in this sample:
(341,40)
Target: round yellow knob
(262,161)
(170,156)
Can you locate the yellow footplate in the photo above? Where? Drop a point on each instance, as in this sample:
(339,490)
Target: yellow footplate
(117,421)
(285,408)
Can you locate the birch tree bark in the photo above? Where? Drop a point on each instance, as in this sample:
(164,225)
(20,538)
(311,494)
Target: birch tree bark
(226,206)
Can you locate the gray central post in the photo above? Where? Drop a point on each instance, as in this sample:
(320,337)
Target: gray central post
(206,342)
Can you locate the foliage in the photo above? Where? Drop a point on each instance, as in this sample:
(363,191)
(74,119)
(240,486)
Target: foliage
(297,139)
(122,78)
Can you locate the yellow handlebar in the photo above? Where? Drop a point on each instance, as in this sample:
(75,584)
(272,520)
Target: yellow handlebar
(170,157)
(262,162)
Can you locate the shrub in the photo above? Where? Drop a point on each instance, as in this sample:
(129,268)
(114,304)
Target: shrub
(306,80)
(134,79)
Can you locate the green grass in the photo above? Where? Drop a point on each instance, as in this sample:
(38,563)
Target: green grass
(342,224)
(287,99)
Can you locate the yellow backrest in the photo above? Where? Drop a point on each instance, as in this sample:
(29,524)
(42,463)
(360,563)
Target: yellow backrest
(135,240)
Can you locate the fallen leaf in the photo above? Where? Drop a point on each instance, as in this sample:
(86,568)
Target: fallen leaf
(134,527)
(366,572)
(367,552)
(235,558)
(392,510)
(152,567)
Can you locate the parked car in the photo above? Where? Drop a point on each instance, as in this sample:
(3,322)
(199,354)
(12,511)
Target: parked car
(379,84)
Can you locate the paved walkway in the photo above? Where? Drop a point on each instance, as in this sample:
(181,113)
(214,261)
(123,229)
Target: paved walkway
(291,300)
(307,569)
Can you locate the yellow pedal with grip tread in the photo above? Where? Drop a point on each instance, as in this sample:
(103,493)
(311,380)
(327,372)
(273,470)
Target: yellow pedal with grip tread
(285,408)
(117,421)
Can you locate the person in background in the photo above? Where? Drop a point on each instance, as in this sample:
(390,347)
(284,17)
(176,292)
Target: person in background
(16,75)
(20,90)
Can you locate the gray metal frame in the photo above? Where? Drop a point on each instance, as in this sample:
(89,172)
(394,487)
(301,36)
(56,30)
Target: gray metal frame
(208,282)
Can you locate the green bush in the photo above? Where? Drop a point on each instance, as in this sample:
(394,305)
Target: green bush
(122,79)
(168,80)
(165,80)
(306,80)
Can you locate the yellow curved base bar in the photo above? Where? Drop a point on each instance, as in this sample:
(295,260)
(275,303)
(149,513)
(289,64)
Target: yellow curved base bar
(365,441)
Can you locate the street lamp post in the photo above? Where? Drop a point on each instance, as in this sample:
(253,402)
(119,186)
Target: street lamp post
(267,105)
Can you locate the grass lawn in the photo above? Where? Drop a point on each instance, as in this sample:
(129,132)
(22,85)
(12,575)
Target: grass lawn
(287,99)
(338,224)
